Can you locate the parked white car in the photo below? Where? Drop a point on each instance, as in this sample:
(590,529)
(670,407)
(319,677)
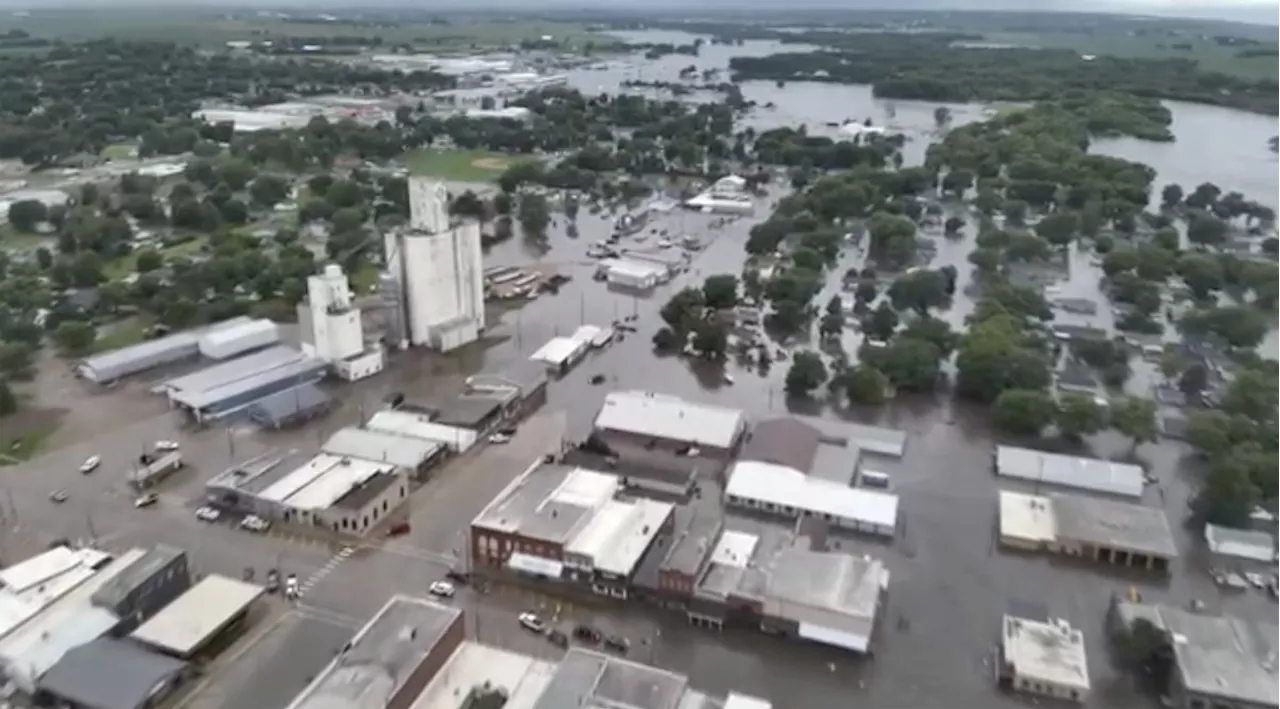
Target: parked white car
(441,589)
(254,523)
(499,438)
(529,621)
(91,464)
(167,446)
(208,514)
(146,500)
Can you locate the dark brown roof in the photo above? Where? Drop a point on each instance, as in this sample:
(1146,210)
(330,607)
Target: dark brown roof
(786,441)
(357,497)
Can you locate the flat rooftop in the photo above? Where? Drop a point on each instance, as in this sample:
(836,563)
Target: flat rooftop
(548,502)
(1052,652)
(1027,518)
(360,496)
(1220,656)
(696,531)
(259,473)
(671,418)
(591,680)
(404,451)
(197,615)
(381,656)
(788,488)
(619,532)
(523,678)
(233,370)
(323,481)
(1118,525)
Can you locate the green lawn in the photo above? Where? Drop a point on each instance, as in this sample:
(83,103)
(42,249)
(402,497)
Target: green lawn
(365,279)
(119,151)
(122,267)
(1210,55)
(121,334)
(460,165)
(11,240)
(24,447)
(216,27)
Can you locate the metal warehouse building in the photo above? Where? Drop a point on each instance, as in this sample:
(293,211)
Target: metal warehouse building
(290,407)
(134,359)
(230,371)
(235,396)
(412,454)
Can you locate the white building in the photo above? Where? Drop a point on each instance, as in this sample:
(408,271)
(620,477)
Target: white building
(439,270)
(331,327)
(1045,658)
(784,491)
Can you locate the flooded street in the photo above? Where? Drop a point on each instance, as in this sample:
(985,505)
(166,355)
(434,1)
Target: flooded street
(950,585)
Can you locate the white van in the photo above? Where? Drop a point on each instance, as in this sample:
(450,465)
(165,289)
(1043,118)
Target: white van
(871,478)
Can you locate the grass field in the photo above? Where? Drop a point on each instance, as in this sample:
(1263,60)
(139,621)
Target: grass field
(1210,55)
(121,334)
(119,151)
(122,267)
(459,165)
(11,240)
(209,28)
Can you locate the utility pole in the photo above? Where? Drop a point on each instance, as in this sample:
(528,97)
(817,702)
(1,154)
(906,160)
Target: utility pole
(93,533)
(231,445)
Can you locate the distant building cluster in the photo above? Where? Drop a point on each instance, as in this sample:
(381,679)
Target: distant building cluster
(297,114)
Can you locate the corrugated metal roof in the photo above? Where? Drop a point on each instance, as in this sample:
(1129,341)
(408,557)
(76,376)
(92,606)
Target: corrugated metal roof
(1240,543)
(233,370)
(671,418)
(288,403)
(197,400)
(189,339)
(403,451)
(1070,471)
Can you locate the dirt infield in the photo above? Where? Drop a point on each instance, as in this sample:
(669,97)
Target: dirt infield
(491,163)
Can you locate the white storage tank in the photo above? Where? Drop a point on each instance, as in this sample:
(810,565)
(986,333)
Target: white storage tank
(239,339)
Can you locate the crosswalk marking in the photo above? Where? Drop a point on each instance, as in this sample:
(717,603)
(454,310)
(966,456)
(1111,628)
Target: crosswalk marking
(334,562)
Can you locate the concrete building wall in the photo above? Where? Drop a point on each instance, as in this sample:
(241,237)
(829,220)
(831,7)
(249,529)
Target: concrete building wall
(1110,555)
(154,593)
(360,521)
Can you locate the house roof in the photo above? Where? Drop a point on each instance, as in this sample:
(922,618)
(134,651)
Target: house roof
(1092,474)
(785,441)
(107,673)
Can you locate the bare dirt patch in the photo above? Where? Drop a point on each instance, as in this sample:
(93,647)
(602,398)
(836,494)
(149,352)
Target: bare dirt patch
(491,163)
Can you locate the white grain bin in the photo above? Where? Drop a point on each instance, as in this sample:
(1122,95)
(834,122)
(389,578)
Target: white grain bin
(239,339)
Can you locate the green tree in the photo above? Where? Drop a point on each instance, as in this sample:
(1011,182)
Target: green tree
(1135,418)
(806,374)
(881,323)
(24,215)
(534,215)
(919,290)
(268,191)
(1227,496)
(1252,394)
(710,339)
(683,310)
(1171,195)
(720,291)
(8,402)
(147,260)
(910,364)
(864,384)
(666,340)
(995,355)
(1059,228)
(1201,273)
(832,323)
(75,337)
(1205,229)
(1024,412)
(1079,415)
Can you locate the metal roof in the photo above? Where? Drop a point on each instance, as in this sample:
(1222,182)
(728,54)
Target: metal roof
(1113,524)
(592,680)
(1240,543)
(380,446)
(560,350)
(107,673)
(233,370)
(468,411)
(1091,474)
(209,398)
(416,426)
(767,483)
(670,418)
(178,341)
(550,502)
(137,573)
(323,481)
(191,619)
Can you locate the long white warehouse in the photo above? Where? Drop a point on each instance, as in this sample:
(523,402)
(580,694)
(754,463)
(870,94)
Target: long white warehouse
(778,489)
(1091,474)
